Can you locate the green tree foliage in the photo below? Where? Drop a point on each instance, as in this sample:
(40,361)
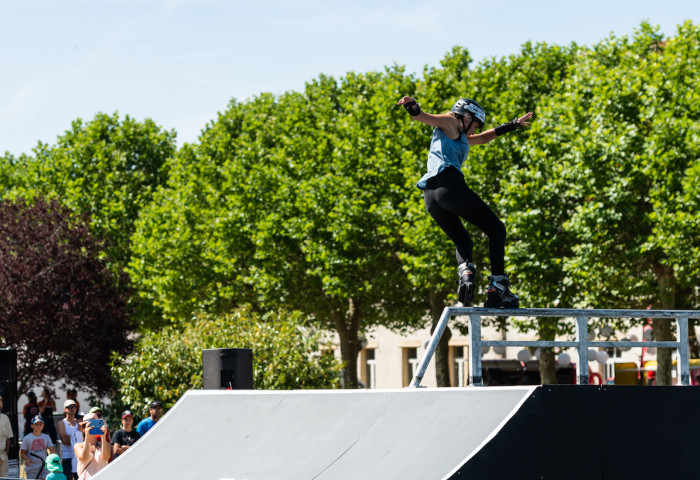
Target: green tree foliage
(604,186)
(106,168)
(292,200)
(167,363)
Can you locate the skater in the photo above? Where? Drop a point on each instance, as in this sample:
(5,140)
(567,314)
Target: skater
(447,196)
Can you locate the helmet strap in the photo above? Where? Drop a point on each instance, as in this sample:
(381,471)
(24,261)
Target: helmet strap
(469,126)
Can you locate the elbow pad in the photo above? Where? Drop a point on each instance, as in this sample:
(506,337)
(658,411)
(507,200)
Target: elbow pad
(507,127)
(412,108)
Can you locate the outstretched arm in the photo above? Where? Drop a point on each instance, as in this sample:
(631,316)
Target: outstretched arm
(446,122)
(488,135)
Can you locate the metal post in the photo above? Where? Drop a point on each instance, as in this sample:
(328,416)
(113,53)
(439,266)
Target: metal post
(435,339)
(683,352)
(475,350)
(582,347)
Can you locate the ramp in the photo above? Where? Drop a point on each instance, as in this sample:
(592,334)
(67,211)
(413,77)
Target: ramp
(373,434)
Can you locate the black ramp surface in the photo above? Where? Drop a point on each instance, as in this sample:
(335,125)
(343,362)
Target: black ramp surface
(594,432)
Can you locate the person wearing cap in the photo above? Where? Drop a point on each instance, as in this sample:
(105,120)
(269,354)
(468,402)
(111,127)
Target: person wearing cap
(100,415)
(66,427)
(126,436)
(156,411)
(92,455)
(72,394)
(55,468)
(5,436)
(29,411)
(34,449)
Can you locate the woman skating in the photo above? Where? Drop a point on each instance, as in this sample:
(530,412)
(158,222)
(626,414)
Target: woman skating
(448,198)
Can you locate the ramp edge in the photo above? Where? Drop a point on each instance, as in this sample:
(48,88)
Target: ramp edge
(495,431)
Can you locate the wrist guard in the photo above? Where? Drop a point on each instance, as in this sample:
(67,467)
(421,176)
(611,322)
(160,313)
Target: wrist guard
(507,127)
(412,108)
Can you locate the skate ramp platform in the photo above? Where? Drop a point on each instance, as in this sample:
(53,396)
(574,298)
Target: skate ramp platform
(311,434)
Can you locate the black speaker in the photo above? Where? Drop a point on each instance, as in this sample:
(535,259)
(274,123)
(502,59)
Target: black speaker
(228,368)
(8,391)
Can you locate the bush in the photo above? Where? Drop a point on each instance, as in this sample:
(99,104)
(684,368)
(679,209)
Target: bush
(167,363)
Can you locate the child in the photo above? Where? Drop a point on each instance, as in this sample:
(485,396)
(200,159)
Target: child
(449,199)
(55,466)
(34,448)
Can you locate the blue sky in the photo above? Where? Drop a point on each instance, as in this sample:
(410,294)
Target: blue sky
(180,62)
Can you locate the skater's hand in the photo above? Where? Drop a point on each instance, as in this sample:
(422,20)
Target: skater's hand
(404,101)
(27,462)
(523,120)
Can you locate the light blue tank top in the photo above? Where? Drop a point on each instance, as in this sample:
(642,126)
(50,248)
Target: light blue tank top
(444,152)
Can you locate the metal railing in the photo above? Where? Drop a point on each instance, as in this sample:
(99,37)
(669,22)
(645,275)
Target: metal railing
(582,344)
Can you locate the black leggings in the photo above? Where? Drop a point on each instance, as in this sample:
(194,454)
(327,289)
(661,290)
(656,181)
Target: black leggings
(448,198)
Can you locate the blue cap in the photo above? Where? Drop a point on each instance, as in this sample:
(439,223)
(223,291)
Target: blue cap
(37,418)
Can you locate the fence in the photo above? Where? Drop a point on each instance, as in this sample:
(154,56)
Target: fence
(582,344)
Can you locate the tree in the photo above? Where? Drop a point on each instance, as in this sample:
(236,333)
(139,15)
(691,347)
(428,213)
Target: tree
(636,223)
(600,205)
(59,303)
(107,168)
(167,363)
(292,201)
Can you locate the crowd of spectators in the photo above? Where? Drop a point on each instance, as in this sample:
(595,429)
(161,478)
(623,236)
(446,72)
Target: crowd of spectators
(86,445)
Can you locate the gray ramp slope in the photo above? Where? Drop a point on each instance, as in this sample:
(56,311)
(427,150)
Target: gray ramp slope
(312,434)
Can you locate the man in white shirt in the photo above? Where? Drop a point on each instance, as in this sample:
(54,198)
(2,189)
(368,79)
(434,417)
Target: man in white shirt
(5,436)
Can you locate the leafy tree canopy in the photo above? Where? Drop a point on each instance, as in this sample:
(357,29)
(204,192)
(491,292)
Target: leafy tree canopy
(59,304)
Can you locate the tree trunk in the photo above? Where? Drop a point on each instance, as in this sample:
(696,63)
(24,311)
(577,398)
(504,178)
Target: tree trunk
(442,352)
(547,329)
(663,327)
(548,371)
(347,326)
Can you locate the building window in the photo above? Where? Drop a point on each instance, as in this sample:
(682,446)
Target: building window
(368,370)
(459,374)
(409,356)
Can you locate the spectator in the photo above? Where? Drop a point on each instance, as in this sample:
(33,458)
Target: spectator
(100,415)
(5,436)
(30,410)
(66,427)
(156,410)
(34,449)
(126,436)
(46,408)
(72,394)
(92,455)
(54,466)
(76,437)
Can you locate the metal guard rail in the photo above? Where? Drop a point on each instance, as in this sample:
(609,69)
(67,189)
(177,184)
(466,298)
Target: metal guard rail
(582,344)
